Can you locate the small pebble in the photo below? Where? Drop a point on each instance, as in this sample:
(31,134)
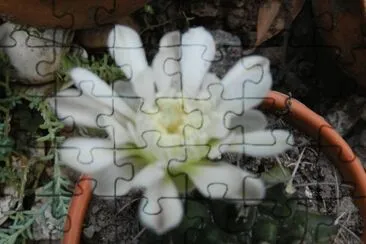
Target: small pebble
(34,53)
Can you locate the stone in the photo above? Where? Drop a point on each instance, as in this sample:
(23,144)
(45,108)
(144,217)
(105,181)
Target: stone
(34,53)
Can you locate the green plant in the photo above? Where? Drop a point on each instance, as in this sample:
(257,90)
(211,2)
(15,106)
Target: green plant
(25,177)
(6,144)
(54,193)
(20,227)
(278,219)
(103,66)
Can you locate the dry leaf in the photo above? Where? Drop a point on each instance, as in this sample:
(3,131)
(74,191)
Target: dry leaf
(266,15)
(272,18)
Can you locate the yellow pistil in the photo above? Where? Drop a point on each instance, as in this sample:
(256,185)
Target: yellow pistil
(171,116)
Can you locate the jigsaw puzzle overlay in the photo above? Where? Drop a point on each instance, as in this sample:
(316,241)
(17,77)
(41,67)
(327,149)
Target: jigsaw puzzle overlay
(170,133)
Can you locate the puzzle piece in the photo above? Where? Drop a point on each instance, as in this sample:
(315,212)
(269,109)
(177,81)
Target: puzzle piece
(95,100)
(34,53)
(66,11)
(106,109)
(95,13)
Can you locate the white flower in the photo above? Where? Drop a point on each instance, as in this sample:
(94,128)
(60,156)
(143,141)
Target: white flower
(167,122)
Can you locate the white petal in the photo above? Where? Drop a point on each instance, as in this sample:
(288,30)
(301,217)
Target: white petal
(88,155)
(138,140)
(116,131)
(225,145)
(144,127)
(260,143)
(234,106)
(209,86)
(92,86)
(144,87)
(251,120)
(126,48)
(125,91)
(149,175)
(166,62)
(217,128)
(250,78)
(223,180)
(123,88)
(198,51)
(114,180)
(74,108)
(161,209)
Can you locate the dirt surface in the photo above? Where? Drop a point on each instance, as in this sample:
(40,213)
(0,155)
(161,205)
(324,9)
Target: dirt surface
(112,220)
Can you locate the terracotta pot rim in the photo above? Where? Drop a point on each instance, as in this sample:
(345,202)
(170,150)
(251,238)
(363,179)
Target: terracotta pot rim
(302,117)
(68,14)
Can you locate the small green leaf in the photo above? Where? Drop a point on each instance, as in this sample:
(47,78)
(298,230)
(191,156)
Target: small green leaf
(6,146)
(214,235)
(265,230)
(319,228)
(148,9)
(195,219)
(225,216)
(149,237)
(103,67)
(276,175)
(278,203)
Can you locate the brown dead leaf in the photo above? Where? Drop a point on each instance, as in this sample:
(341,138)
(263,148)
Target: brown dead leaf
(272,18)
(80,14)
(266,15)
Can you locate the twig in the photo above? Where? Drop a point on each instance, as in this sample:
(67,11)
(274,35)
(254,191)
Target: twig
(280,164)
(339,218)
(351,233)
(127,205)
(296,166)
(151,27)
(138,234)
(321,183)
(343,227)
(336,189)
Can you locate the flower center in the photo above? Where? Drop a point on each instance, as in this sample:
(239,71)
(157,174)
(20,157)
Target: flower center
(171,116)
(177,122)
